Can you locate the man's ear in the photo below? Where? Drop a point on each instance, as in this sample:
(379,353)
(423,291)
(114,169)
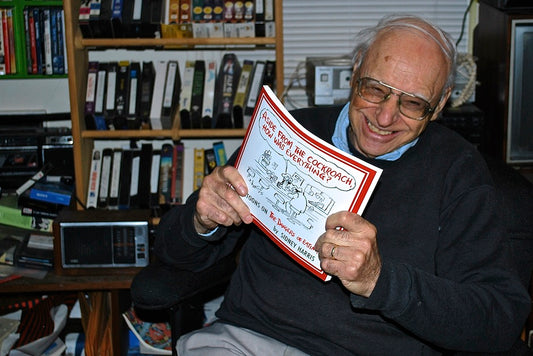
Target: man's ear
(441,104)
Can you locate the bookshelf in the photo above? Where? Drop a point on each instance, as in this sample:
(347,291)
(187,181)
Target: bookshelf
(21,44)
(78,57)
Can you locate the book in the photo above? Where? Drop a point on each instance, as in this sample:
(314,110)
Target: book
(39,208)
(90,94)
(37,251)
(197,95)
(240,94)
(256,80)
(165,173)
(145,174)
(114,184)
(228,76)
(112,69)
(94,178)
(124,190)
(157,95)
(134,179)
(199,167)
(11,215)
(105,177)
(53,192)
(171,94)
(296,180)
(210,160)
(186,95)
(220,153)
(154,179)
(145,97)
(122,95)
(176,186)
(209,94)
(133,119)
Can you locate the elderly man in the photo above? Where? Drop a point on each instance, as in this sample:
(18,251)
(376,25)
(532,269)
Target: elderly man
(424,269)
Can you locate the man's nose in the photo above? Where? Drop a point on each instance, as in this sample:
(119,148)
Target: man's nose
(389,110)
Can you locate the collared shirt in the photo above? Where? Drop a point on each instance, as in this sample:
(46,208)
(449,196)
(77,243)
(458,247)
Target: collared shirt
(340,138)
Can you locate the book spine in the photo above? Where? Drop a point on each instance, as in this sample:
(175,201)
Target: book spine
(105,177)
(47,42)
(2,51)
(177,174)
(133,107)
(90,93)
(220,153)
(197,95)
(240,95)
(147,88)
(111,88)
(154,179)
(165,174)
(186,94)
(199,168)
(94,178)
(209,93)
(157,95)
(171,87)
(115,179)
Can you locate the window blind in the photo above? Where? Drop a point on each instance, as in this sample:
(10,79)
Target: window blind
(315,28)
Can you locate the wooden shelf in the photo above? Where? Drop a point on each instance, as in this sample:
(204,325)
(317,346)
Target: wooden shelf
(174,134)
(175,43)
(55,283)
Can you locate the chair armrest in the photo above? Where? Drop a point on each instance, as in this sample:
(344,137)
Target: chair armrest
(159,286)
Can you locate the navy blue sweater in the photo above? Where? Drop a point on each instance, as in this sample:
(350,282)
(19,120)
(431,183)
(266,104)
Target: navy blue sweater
(446,281)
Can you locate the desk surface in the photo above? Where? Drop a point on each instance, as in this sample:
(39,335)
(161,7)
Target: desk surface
(57,283)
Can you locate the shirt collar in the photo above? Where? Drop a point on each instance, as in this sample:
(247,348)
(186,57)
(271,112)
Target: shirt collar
(340,138)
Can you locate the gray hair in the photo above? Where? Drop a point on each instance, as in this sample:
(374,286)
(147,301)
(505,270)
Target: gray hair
(366,38)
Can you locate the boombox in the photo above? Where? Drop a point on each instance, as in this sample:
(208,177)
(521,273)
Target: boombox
(101,241)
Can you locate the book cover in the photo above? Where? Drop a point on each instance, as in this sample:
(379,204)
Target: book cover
(296,180)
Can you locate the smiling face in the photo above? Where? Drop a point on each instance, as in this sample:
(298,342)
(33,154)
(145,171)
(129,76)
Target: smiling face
(406,60)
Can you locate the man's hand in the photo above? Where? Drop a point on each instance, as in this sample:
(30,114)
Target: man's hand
(220,200)
(348,249)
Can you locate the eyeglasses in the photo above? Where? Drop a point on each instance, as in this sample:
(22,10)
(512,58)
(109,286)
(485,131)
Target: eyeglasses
(377,92)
